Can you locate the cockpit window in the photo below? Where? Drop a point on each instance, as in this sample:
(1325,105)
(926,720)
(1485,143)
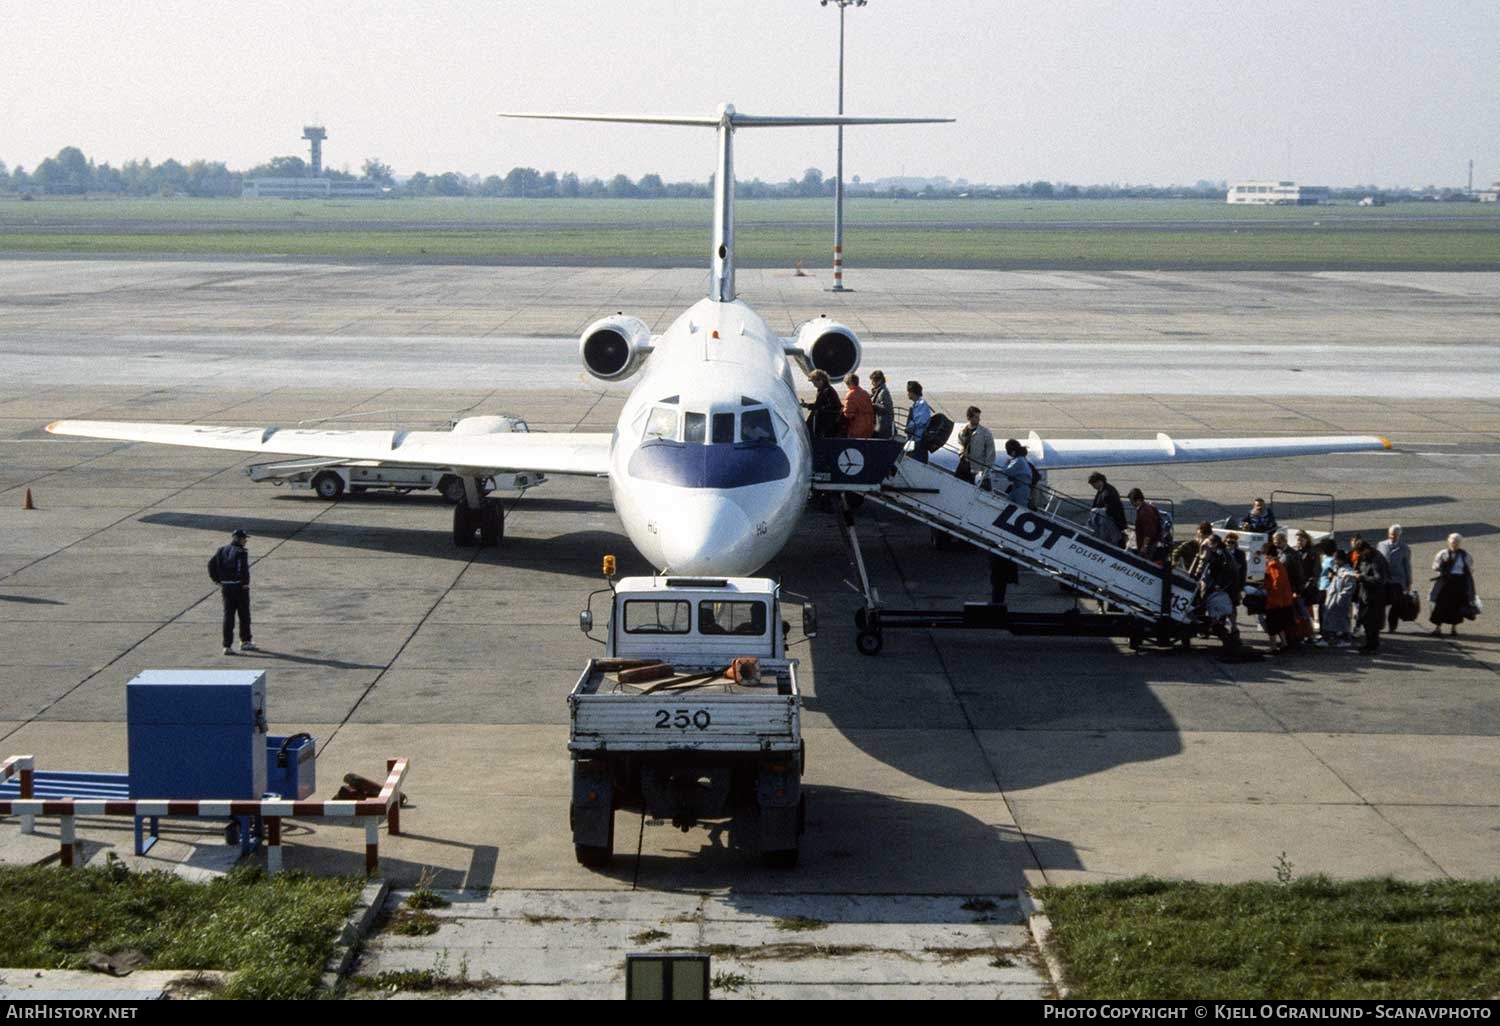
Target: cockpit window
(756,427)
(723,425)
(662,424)
(695,429)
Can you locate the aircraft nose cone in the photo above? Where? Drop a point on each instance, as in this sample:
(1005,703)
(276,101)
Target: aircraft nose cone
(708,536)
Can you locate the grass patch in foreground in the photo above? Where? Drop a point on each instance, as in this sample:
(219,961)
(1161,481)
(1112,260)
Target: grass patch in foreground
(1311,938)
(274,933)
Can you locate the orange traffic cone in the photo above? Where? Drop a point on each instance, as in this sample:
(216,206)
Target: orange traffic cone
(27,503)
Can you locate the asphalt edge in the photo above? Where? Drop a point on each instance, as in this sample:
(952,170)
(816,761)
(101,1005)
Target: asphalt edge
(352,934)
(1041,932)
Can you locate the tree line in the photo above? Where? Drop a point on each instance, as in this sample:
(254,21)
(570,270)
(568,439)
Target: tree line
(71,173)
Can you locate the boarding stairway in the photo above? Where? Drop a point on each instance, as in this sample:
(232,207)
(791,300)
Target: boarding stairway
(1052,540)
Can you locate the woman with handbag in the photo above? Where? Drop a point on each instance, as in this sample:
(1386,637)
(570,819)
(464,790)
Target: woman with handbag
(1452,596)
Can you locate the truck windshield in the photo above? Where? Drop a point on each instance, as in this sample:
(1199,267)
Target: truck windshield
(649,616)
(746,618)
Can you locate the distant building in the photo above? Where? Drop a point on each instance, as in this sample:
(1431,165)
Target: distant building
(1278,194)
(310,188)
(1492,195)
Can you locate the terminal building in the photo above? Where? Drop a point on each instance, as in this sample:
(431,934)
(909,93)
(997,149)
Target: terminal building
(1278,194)
(310,188)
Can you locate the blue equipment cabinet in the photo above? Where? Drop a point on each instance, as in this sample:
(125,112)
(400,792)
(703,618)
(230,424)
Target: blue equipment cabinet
(197,734)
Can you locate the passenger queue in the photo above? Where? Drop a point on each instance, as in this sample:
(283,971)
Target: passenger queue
(1315,596)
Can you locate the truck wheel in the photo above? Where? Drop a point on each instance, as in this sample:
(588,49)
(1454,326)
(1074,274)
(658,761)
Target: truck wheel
(869,643)
(452,488)
(786,858)
(328,485)
(491,523)
(463,526)
(597,856)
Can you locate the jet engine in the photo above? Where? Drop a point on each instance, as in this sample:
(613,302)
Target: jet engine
(614,347)
(828,346)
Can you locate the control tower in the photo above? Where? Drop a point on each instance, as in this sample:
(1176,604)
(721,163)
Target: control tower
(315,134)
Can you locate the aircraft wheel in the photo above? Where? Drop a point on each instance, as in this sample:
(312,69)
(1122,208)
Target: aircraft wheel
(328,485)
(491,523)
(464,523)
(451,486)
(869,642)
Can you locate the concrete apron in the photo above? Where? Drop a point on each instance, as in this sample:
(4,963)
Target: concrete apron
(572,944)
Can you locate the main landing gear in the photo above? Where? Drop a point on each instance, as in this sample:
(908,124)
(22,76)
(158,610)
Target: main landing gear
(477,519)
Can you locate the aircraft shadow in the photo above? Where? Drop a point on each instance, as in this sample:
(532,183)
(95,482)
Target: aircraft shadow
(31,600)
(974,686)
(562,552)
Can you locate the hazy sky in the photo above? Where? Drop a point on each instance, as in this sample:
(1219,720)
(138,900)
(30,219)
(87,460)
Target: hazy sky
(1140,91)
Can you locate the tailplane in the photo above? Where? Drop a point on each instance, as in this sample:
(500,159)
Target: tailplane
(726,120)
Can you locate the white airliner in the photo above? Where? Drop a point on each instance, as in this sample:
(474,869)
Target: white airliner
(710,463)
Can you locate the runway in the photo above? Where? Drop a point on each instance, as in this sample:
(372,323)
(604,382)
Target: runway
(110,323)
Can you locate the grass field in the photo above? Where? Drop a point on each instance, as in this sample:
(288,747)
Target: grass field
(1311,938)
(274,933)
(904,233)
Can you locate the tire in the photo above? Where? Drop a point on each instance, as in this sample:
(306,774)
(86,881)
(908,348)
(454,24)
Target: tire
(463,526)
(451,487)
(328,485)
(869,642)
(491,524)
(597,856)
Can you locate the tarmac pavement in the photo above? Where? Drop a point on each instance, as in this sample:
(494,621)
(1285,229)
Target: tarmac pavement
(953,764)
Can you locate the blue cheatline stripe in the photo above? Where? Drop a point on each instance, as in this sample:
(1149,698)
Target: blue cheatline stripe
(727,465)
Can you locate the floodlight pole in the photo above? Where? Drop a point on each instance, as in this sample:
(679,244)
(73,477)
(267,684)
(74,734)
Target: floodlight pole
(838,179)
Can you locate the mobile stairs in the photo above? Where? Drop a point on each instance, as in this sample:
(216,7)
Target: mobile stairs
(1140,600)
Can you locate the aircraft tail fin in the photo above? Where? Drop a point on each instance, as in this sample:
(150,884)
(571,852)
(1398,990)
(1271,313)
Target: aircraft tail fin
(726,120)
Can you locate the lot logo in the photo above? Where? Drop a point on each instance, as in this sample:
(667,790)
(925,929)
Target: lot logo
(1030,528)
(851,462)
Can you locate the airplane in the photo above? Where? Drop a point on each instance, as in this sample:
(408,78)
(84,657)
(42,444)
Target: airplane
(710,463)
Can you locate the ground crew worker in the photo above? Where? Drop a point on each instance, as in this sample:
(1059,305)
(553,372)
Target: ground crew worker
(233,562)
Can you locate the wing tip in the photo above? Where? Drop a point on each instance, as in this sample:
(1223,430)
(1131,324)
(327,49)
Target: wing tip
(1385,442)
(51,429)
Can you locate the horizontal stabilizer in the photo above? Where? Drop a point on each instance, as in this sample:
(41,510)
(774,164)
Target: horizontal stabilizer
(727,114)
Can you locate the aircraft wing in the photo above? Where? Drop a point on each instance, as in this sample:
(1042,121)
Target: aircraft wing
(1066,453)
(559,453)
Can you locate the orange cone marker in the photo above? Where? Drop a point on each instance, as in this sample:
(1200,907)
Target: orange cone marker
(28,504)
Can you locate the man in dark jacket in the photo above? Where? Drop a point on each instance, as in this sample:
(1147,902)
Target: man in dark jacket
(1374,578)
(1108,511)
(827,412)
(233,564)
(883,405)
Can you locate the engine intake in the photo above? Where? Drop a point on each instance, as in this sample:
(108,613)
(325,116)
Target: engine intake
(828,346)
(614,347)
